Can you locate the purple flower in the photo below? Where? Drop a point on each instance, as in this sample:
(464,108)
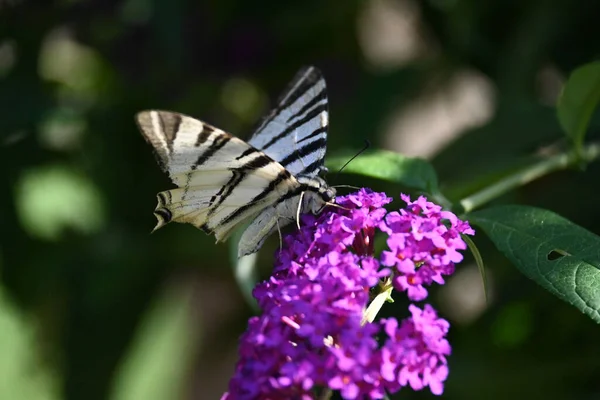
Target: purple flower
(311,335)
(415,352)
(423,245)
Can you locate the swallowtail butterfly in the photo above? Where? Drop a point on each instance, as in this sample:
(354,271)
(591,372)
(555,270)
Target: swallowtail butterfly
(224,181)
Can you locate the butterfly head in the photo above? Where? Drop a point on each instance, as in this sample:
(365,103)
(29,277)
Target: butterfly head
(317,194)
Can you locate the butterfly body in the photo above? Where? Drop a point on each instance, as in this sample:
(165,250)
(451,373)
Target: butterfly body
(224,181)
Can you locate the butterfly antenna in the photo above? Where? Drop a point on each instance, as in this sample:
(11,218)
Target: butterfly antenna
(365,147)
(346,186)
(338,206)
(279,231)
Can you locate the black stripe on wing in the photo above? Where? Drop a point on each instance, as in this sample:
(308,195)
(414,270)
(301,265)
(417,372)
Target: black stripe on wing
(215,146)
(238,175)
(281,177)
(317,132)
(225,190)
(313,168)
(310,116)
(246,153)
(204,135)
(161,211)
(169,124)
(307,149)
(218,143)
(304,81)
(321,96)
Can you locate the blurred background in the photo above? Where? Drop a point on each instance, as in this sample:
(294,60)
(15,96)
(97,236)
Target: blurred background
(94,307)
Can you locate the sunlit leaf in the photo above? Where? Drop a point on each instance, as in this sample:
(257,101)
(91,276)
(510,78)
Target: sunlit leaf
(80,70)
(51,199)
(8,56)
(578,100)
(23,375)
(244,99)
(62,129)
(389,166)
(562,257)
(162,352)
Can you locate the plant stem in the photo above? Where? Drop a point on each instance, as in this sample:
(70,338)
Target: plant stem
(530,173)
(384,294)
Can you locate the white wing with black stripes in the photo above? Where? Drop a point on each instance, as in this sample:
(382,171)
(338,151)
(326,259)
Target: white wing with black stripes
(295,131)
(223,181)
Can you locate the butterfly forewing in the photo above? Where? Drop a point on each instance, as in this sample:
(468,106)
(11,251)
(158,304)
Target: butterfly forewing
(295,131)
(222,179)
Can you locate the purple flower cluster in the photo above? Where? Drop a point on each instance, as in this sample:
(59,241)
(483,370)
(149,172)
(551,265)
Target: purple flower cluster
(422,247)
(311,335)
(415,352)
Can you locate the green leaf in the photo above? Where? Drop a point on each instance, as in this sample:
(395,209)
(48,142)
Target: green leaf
(54,199)
(562,257)
(23,373)
(245,269)
(163,349)
(579,98)
(389,166)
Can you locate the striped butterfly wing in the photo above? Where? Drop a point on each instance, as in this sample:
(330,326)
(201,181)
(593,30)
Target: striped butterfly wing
(295,132)
(222,180)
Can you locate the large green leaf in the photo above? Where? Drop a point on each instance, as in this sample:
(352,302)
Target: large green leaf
(578,100)
(23,374)
(559,255)
(162,350)
(389,166)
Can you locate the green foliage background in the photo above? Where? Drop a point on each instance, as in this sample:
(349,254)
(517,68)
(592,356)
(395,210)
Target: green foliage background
(92,306)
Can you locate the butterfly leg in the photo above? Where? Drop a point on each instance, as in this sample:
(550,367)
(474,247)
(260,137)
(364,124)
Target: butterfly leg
(280,238)
(267,221)
(298,210)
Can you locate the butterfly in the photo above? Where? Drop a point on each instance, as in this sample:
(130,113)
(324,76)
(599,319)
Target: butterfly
(224,182)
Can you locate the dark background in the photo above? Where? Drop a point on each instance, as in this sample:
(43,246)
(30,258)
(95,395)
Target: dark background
(95,307)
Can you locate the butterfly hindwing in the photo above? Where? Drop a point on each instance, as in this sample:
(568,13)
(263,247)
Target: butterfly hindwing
(295,132)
